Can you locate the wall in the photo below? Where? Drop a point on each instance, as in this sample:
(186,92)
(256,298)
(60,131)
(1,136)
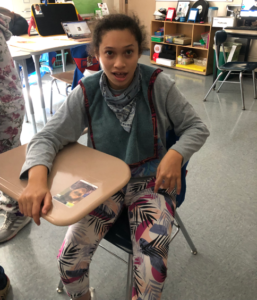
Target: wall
(144,9)
(19,7)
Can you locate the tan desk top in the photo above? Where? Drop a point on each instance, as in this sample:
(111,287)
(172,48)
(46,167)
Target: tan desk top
(18,54)
(242,32)
(37,45)
(75,162)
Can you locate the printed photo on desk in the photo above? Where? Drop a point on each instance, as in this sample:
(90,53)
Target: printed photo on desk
(75,193)
(38,11)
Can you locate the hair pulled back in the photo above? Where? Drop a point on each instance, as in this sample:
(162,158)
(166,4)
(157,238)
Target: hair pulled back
(117,22)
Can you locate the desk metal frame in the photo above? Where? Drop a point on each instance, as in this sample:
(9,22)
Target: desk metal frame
(62,45)
(19,58)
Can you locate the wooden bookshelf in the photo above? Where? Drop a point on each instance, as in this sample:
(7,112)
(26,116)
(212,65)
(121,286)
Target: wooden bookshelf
(192,30)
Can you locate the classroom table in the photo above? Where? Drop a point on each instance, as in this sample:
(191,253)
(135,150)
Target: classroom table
(238,33)
(37,45)
(19,58)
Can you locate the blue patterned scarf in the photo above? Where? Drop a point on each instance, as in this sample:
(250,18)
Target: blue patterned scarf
(124,105)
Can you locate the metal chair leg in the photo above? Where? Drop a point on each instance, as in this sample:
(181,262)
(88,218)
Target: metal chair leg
(68,86)
(223,81)
(129,278)
(242,90)
(254,85)
(57,87)
(59,289)
(186,235)
(51,97)
(26,116)
(212,86)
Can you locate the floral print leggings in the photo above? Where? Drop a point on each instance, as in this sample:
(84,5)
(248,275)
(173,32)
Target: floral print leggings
(151,216)
(12,105)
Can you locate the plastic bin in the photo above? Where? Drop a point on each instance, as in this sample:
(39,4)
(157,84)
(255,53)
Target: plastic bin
(200,61)
(212,12)
(228,46)
(170,38)
(58,61)
(185,61)
(158,33)
(157,39)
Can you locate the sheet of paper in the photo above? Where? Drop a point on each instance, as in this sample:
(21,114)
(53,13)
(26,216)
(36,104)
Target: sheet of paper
(192,15)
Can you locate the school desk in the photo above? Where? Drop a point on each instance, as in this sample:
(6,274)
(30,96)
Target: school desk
(73,163)
(37,45)
(242,33)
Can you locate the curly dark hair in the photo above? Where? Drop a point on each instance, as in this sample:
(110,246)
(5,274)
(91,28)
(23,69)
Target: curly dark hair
(117,22)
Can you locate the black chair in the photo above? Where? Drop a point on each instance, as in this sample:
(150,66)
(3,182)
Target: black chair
(234,66)
(119,234)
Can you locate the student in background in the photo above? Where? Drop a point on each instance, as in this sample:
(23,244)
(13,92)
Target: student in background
(11,119)
(12,110)
(18,26)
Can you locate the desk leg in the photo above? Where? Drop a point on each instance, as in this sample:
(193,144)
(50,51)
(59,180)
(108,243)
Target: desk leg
(31,108)
(247,49)
(39,81)
(63,61)
(17,66)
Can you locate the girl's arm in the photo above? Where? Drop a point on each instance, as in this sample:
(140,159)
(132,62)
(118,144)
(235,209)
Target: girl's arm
(174,112)
(65,127)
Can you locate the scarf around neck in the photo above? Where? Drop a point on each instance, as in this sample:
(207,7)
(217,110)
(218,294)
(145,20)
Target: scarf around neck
(124,105)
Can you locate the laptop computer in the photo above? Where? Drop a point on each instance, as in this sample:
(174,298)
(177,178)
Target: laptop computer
(77,30)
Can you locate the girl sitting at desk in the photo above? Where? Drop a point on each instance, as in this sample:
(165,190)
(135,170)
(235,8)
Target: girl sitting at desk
(128,108)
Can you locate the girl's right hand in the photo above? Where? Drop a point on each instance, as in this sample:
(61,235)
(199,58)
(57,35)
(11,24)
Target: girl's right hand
(36,197)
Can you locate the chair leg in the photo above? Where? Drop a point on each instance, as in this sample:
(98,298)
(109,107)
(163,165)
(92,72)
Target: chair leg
(57,87)
(223,81)
(51,97)
(254,85)
(212,86)
(59,289)
(242,90)
(68,86)
(185,233)
(129,278)
(26,116)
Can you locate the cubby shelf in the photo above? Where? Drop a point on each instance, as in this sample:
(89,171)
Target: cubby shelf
(192,30)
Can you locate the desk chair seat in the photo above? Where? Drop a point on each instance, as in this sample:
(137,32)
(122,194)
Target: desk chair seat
(234,66)
(66,77)
(239,66)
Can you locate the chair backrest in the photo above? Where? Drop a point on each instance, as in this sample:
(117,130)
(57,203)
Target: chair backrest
(171,139)
(219,40)
(83,61)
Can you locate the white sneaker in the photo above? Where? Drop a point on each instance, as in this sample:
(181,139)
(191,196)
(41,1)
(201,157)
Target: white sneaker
(13,223)
(7,204)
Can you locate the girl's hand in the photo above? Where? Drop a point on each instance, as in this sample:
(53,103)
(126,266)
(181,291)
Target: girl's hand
(168,174)
(36,193)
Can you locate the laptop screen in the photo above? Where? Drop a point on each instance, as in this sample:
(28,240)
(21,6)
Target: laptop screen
(77,29)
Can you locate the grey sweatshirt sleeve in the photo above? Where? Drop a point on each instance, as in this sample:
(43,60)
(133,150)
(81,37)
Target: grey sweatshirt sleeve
(175,112)
(65,127)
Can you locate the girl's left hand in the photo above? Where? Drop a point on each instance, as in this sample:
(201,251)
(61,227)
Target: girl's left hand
(168,174)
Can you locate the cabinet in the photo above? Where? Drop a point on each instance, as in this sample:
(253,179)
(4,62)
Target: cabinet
(192,30)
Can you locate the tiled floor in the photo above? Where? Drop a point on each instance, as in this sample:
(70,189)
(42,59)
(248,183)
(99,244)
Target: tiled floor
(219,213)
